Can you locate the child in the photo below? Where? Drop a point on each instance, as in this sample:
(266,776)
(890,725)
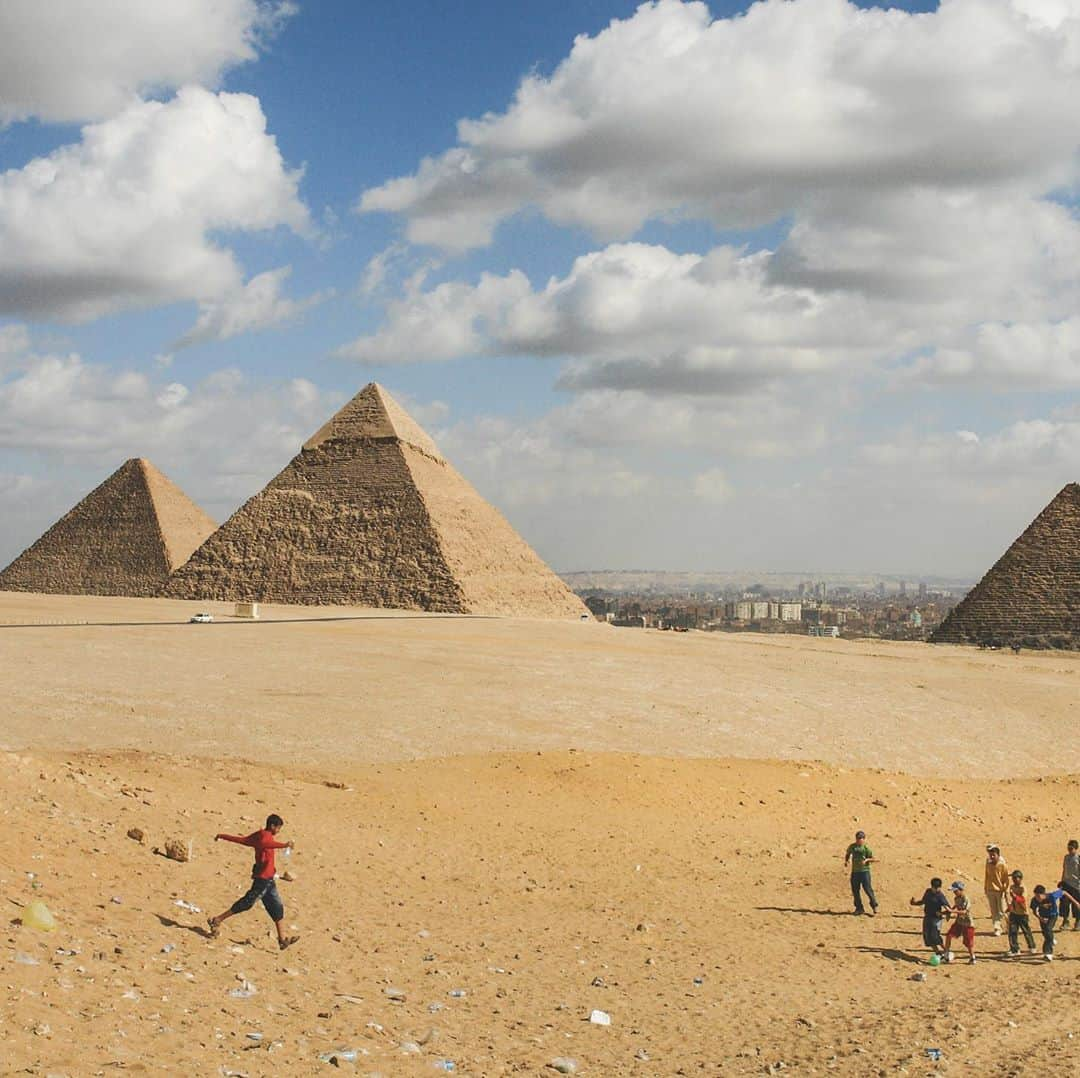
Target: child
(262,879)
(1070,881)
(934,903)
(996,885)
(962,926)
(1018,916)
(861,857)
(1046,904)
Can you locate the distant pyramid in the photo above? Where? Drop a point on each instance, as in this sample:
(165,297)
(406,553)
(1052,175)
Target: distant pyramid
(369,513)
(1032,595)
(124,538)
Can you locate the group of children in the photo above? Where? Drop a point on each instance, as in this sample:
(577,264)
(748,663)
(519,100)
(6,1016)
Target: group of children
(1005,893)
(1007,897)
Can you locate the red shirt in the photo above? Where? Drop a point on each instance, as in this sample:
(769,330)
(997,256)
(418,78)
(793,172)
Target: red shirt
(265,844)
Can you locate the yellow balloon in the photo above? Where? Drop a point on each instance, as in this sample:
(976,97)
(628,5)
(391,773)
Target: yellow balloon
(37,915)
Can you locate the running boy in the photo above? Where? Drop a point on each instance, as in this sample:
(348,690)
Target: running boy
(1045,905)
(1018,916)
(934,903)
(962,927)
(861,857)
(262,886)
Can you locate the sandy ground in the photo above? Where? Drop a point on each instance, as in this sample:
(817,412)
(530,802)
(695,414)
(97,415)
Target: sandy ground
(535,815)
(372,685)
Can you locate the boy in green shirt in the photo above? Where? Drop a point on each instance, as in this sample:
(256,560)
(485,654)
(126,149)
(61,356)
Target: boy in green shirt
(861,857)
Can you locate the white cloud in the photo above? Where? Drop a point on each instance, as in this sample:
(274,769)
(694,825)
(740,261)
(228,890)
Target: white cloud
(225,429)
(534,465)
(69,60)
(712,486)
(639,316)
(740,120)
(1043,355)
(125,217)
(450,320)
(257,305)
(967,465)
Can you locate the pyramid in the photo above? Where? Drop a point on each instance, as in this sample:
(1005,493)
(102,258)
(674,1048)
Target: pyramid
(124,538)
(1032,594)
(370,513)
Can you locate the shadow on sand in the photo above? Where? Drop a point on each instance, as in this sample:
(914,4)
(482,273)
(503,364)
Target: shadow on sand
(892,954)
(169,922)
(798,909)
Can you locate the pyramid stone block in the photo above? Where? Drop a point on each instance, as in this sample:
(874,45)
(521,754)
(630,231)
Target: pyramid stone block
(124,538)
(1031,596)
(370,513)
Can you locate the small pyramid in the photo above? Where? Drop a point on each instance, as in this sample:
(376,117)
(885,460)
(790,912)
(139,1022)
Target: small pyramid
(1031,596)
(124,538)
(370,513)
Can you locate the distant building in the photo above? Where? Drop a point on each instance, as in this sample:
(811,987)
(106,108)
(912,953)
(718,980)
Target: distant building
(823,630)
(759,611)
(636,622)
(774,611)
(791,611)
(744,610)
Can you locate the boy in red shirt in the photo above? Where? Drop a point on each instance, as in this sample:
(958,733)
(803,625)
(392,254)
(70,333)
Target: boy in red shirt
(262,879)
(962,926)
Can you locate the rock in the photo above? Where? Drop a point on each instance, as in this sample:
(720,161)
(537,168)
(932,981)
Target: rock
(136,833)
(177,850)
(564,1065)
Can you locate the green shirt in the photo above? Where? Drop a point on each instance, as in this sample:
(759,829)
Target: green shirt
(859,853)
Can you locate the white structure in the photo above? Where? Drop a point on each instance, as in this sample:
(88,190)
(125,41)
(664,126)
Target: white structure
(824,630)
(791,611)
(247,610)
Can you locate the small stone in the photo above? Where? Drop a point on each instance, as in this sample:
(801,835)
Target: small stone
(136,833)
(177,850)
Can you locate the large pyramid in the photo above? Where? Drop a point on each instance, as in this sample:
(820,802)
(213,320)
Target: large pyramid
(370,513)
(1032,595)
(124,538)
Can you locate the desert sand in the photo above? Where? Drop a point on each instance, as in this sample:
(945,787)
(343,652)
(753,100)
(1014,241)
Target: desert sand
(551,818)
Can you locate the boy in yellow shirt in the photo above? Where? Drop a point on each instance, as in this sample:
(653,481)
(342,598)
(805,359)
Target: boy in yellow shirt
(996,886)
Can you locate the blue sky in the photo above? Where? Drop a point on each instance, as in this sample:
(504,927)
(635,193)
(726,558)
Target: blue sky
(793,286)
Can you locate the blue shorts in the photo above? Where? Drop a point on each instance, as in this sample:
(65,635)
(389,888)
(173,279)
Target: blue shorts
(267,891)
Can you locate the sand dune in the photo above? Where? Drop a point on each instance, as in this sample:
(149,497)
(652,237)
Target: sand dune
(462,845)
